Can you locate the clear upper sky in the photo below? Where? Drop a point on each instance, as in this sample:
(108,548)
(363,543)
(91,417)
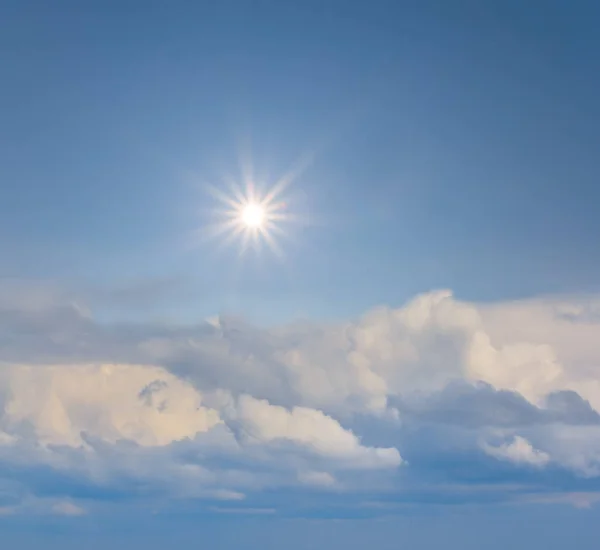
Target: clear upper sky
(455,145)
(430,145)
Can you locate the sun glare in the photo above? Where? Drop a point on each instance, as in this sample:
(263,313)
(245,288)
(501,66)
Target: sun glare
(253,215)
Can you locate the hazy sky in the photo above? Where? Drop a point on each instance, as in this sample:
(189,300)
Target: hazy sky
(425,145)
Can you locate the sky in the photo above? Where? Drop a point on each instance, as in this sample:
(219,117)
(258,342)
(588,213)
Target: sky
(406,353)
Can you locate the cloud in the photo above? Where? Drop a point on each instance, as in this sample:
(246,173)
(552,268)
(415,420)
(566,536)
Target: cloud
(244,511)
(317,479)
(32,505)
(65,508)
(143,404)
(578,500)
(262,423)
(518,451)
(392,403)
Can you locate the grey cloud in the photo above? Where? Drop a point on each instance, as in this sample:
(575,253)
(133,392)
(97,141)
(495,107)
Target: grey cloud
(480,405)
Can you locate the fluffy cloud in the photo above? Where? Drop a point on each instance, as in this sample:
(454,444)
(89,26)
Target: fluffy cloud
(398,398)
(264,423)
(519,451)
(144,404)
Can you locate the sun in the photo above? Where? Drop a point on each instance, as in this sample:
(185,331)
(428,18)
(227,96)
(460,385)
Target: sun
(251,211)
(253,215)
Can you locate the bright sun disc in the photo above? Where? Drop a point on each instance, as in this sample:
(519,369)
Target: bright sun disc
(253,215)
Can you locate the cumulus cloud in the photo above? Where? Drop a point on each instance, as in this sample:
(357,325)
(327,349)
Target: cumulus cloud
(225,410)
(143,404)
(264,423)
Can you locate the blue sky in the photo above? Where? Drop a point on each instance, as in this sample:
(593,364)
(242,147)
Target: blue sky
(454,146)
(334,395)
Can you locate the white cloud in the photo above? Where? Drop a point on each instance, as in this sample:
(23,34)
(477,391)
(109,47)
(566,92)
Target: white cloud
(317,479)
(144,404)
(222,410)
(321,434)
(518,451)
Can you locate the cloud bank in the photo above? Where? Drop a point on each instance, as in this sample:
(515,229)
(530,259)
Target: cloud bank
(438,397)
